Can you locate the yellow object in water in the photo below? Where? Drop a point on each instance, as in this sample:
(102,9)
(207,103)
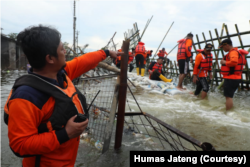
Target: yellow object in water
(138,71)
(142,71)
(164,78)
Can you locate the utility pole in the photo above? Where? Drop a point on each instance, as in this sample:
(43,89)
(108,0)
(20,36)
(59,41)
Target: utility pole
(74,27)
(77,41)
(1,30)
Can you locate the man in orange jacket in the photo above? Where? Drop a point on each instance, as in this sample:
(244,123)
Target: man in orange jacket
(162,53)
(140,56)
(231,78)
(203,66)
(183,56)
(42,107)
(156,72)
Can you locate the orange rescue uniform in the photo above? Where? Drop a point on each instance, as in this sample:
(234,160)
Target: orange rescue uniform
(199,58)
(184,49)
(25,117)
(162,54)
(231,61)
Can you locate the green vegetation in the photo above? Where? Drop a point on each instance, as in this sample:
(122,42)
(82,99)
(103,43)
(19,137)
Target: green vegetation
(12,35)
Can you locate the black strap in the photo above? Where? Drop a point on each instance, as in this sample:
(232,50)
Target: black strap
(38,158)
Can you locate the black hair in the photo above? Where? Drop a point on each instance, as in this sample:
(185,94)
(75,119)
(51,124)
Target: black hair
(133,48)
(37,42)
(151,50)
(190,35)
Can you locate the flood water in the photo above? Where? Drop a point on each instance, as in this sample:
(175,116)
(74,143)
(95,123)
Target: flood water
(205,120)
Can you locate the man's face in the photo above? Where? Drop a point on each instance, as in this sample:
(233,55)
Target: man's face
(159,61)
(226,47)
(61,59)
(207,51)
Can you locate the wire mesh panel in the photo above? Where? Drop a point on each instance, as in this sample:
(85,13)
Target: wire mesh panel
(99,92)
(158,135)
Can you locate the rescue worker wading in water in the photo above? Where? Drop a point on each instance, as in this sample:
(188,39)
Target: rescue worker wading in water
(156,72)
(183,56)
(140,56)
(203,66)
(43,107)
(232,66)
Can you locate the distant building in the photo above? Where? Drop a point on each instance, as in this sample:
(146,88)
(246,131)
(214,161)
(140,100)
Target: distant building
(12,56)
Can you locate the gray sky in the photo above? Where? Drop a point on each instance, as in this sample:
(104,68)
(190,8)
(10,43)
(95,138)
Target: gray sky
(97,21)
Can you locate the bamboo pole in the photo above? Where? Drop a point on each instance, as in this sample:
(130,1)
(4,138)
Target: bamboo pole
(80,50)
(171,69)
(73,52)
(204,37)
(111,40)
(219,41)
(145,28)
(216,55)
(198,41)
(163,39)
(176,68)
(122,95)
(242,46)
(108,67)
(214,71)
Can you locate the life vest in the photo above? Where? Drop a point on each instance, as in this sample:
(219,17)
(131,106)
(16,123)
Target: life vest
(149,52)
(68,101)
(140,48)
(225,70)
(181,54)
(157,67)
(206,63)
(161,53)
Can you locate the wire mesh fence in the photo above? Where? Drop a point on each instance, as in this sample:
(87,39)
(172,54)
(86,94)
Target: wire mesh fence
(172,70)
(100,89)
(158,135)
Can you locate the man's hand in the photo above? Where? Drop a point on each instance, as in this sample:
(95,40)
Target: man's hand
(150,72)
(223,62)
(195,79)
(113,54)
(74,129)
